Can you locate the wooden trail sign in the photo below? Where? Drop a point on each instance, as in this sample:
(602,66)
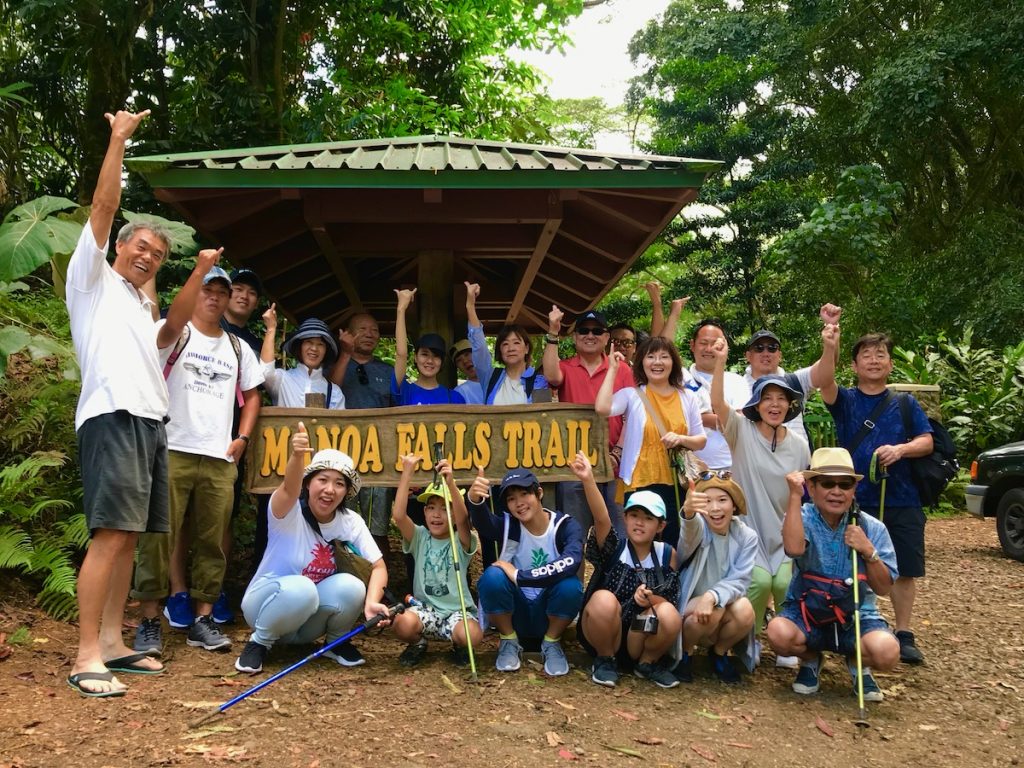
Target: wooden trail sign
(543,438)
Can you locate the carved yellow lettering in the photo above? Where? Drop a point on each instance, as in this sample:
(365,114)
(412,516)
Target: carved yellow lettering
(351,442)
(403,437)
(440,430)
(325,439)
(572,427)
(423,447)
(512,432)
(482,442)
(531,444)
(461,458)
(585,443)
(275,454)
(555,455)
(370,460)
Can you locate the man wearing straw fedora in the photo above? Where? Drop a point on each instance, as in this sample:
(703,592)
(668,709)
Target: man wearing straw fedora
(823,537)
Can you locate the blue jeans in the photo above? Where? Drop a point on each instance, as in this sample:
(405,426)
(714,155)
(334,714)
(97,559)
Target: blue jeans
(498,595)
(293,610)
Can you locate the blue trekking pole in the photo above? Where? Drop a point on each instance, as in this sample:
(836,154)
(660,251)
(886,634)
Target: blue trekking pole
(369,623)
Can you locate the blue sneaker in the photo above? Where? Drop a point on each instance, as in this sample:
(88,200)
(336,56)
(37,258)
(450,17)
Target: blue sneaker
(807,679)
(555,663)
(178,611)
(222,613)
(510,655)
(872,692)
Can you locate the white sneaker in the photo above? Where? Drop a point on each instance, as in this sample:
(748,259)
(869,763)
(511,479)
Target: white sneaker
(787,662)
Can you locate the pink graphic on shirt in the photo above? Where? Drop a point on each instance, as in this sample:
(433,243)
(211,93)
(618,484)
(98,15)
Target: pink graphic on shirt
(322,564)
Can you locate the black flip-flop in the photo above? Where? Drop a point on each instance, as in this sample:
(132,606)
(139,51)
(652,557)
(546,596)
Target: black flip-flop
(129,665)
(75,681)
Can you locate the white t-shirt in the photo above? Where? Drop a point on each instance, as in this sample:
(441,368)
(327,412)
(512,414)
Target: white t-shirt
(716,453)
(114,336)
(796,426)
(533,552)
(201,388)
(511,392)
(294,549)
(288,388)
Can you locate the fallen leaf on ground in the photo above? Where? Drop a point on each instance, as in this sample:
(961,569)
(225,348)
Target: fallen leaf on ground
(553,739)
(708,715)
(213,730)
(623,750)
(747,719)
(739,745)
(928,727)
(570,707)
(704,752)
(198,704)
(652,740)
(824,727)
(565,754)
(625,715)
(28,677)
(532,679)
(5,651)
(449,684)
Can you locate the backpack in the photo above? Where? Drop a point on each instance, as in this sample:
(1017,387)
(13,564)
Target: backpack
(932,473)
(236,345)
(528,383)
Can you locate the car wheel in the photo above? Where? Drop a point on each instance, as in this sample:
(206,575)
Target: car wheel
(1010,523)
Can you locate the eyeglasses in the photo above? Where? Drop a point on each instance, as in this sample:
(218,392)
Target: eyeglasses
(770,347)
(591,331)
(846,484)
(627,343)
(721,474)
(361,374)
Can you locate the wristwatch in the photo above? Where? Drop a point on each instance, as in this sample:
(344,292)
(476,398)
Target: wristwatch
(551,339)
(875,557)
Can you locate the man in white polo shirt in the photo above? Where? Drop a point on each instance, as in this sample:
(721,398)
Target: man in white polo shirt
(122,446)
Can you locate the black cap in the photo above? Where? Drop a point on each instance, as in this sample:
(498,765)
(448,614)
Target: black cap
(247,277)
(594,315)
(432,341)
(761,336)
(517,478)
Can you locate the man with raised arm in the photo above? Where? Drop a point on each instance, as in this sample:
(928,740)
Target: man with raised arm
(122,446)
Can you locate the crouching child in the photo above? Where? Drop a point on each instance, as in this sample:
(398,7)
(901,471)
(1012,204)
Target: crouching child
(438,584)
(629,611)
(531,592)
(719,552)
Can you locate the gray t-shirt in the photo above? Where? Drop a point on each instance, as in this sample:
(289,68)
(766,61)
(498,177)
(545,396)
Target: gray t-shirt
(367,385)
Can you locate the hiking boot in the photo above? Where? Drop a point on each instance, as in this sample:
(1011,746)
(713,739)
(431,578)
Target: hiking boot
(807,678)
(413,653)
(252,657)
(656,673)
(204,634)
(149,637)
(683,670)
(909,654)
(555,663)
(459,655)
(178,611)
(346,654)
(604,671)
(510,656)
(723,668)
(222,613)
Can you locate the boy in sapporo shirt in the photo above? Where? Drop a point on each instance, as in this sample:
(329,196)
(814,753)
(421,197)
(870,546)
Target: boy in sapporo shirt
(532,590)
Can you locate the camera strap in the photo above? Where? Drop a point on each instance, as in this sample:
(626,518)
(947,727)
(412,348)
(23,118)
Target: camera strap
(659,574)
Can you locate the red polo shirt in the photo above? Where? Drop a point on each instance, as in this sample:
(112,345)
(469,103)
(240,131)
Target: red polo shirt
(580,386)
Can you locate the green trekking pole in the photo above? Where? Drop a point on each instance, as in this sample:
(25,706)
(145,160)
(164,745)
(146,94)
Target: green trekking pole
(878,474)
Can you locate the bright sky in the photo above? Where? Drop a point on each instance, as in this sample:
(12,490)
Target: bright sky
(598,64)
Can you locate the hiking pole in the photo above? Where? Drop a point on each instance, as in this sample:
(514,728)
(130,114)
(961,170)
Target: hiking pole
(369,623)
(862,719)
(456,561)
(878,474)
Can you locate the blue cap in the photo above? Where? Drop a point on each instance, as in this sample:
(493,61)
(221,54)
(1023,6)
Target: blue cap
(773,380)
(517,478)
(648,501)
(216,273)
(593,316)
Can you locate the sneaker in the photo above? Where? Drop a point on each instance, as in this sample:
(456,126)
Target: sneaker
(909,654)
(656,673)
(222,613)
(683,670)
(346,654)
(604,671)
(149,637)
(723,668)
(178,611)
(510,656)
(787,662)
(413,654)
(872,692)
(204,634)
(555,663)
(807,681)
(252,657)
(459,655)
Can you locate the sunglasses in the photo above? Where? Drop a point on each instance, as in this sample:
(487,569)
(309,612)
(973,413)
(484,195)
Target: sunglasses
(846,484)
(721,474)
(361,374)
(770,347)
(591,331)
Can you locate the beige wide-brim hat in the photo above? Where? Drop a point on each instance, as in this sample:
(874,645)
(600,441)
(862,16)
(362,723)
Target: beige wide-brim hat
(831,462)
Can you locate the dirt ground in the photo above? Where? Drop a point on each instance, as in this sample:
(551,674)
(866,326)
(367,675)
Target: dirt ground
(964,707)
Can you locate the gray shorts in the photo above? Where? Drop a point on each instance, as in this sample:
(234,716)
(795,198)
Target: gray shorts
(124,473)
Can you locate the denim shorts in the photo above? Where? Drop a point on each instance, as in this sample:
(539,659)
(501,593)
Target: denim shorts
(836,637)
